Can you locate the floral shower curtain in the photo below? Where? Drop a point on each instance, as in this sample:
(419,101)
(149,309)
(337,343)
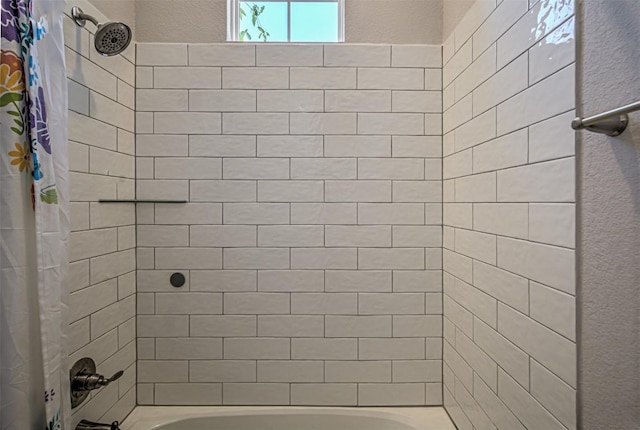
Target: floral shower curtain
(34,218)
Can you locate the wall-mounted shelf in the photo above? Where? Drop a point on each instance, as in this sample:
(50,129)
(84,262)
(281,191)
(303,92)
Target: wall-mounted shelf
(140,201)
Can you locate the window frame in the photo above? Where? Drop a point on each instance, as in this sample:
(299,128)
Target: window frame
(233,19)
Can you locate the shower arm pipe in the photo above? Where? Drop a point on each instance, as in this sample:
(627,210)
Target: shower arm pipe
(612,123)
(80,17)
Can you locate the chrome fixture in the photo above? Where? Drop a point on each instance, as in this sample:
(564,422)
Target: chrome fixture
(84,379)
(90,425)
(111,38)
(611,123)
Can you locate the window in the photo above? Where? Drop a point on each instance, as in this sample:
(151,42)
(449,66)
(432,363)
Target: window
(286,20)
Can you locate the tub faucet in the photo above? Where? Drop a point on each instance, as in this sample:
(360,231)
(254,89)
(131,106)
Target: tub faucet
(84,379)
(93,381)
(90,425)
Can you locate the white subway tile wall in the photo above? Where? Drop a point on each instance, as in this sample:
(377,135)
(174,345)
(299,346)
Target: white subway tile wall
(509,217)
(312,240)
(103,238)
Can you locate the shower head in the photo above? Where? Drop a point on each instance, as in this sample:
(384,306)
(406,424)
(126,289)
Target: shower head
(111,38)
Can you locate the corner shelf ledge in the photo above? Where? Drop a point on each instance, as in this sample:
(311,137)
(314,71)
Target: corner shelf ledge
(140,201)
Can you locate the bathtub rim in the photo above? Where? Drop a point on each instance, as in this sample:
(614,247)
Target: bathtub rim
(418,417)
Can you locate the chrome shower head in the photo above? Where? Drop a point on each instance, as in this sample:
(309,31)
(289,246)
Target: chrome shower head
(111,38)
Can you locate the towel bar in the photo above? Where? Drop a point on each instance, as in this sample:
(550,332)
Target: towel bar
(611,123)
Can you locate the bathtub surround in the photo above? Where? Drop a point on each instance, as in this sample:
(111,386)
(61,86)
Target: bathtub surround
(102,166)
(311,242)
(509,217)
(312,239)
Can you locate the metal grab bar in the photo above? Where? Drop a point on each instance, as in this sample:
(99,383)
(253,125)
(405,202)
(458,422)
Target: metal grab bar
(611,123)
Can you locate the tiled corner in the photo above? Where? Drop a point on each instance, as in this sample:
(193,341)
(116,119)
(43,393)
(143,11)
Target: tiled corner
(509,217)
(103,238)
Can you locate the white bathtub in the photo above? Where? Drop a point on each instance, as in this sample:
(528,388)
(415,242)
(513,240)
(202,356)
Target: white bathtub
(285,418)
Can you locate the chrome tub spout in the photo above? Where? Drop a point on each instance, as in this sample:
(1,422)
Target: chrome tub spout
(89,425)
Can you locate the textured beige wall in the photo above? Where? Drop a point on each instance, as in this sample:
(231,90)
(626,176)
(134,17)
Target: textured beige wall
(609,228)
(393,21)
(453,12)
(372,21)
(181,20)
